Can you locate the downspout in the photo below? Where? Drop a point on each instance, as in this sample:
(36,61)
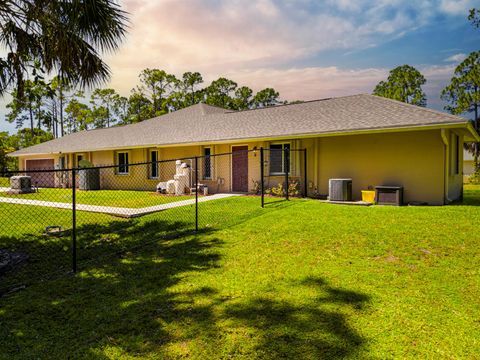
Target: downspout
(446,163)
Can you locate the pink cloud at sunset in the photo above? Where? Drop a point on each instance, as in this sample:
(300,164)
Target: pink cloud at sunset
(277,43)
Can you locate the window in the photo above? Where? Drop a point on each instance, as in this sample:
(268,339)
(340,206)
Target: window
(79,158)
(207,163)
(122,159)
(62,162)
(277,159)
(154,164)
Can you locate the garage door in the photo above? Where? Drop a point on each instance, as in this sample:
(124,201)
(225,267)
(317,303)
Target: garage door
(41,179)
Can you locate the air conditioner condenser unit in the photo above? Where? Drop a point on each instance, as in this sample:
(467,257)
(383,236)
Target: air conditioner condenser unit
(340,189)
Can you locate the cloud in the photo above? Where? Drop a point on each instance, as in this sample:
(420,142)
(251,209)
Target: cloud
(312,82)
(220,36)
(457,7)
(179,33)
(456,58)
(438,76)
(256,42)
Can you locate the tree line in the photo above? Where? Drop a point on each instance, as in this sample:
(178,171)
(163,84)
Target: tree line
(59,109)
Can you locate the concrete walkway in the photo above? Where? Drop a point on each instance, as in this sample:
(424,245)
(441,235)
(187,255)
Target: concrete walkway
(115,211)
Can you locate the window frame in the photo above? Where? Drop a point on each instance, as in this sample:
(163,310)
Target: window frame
(127,166)
(204,165)
(153,165)
(282,144)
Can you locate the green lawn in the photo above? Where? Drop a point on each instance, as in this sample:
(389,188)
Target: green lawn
(303,280)
(4,181)
(119,198)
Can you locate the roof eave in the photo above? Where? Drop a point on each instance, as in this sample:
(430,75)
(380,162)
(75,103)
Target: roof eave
(475,136)
(465,125)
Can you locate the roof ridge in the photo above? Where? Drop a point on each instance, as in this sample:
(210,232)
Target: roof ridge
(419,108)
(297,103)
(277,106)
(218,109)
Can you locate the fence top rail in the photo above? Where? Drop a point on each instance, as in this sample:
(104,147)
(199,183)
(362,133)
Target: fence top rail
(269,149)
(113,166)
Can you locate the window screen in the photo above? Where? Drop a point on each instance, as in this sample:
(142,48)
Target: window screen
(277,158)
(123,163)
(154,164)
(207,163)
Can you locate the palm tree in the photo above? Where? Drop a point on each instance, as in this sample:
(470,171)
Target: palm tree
(67,37)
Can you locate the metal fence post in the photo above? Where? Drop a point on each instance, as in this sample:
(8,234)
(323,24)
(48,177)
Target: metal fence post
(286,166)
(262,184)
(305,183)
(196,193)
(74,223)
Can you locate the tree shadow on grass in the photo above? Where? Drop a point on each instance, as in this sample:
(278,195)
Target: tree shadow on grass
(279,202)
(146,303)
(133,308)
(141,304)
(51,256)
(317,329)
(126,305)
(470,198)
(100,236)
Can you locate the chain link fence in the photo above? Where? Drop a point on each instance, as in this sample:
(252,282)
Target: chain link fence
(58,221)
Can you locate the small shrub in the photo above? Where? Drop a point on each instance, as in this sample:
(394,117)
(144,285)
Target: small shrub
(475,177)
(277,190)
(293,188)
(85,164)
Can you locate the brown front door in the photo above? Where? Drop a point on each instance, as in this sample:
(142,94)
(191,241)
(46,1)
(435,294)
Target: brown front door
(41,179)
(240,168)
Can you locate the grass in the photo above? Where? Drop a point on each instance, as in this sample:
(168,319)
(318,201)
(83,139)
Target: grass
(118,198)
(4,182)
(301,279)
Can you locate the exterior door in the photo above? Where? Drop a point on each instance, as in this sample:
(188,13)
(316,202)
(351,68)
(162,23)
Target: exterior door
(240,168)
(41,179)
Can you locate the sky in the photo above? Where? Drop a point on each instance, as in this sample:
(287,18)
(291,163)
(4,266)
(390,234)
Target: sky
(305,49)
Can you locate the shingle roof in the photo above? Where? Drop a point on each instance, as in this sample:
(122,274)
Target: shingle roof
(204,123)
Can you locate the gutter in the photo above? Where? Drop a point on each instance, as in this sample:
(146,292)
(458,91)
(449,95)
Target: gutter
(474,132)
(443,133)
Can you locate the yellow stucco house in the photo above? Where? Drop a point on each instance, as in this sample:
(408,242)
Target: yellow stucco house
(373,140)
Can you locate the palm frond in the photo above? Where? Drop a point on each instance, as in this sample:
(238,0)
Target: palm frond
(64,36)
